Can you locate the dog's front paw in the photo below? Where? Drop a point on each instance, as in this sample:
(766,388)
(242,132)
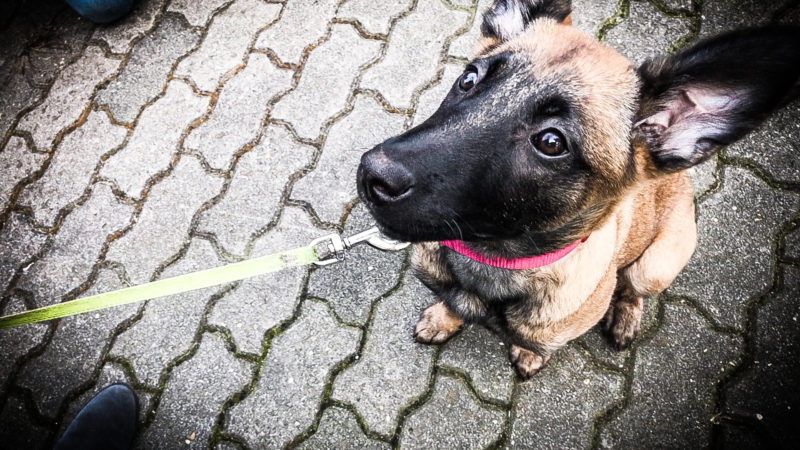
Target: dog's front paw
(525,361)
(623,322)
(436,324)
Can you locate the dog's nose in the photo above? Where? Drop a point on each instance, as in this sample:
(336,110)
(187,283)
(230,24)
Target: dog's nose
(382,179)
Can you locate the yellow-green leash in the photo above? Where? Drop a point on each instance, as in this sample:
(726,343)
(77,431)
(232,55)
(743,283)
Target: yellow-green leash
(300,256)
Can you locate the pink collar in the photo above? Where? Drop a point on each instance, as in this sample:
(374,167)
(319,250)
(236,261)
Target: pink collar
(530,262)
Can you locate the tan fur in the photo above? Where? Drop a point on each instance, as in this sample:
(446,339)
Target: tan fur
(437,324)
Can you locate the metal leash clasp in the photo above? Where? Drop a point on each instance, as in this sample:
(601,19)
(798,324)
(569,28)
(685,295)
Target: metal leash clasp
(338,245)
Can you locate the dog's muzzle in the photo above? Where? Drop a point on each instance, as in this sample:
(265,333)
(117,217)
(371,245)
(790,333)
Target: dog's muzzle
(383,181)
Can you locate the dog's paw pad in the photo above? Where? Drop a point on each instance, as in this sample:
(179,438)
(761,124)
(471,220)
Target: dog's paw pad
(525,361)
(436,325)
(622,323)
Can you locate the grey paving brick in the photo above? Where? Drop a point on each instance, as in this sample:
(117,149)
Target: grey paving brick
(597,343)
(646,33)
(464,46)
(16,342)
(292,381)
(154,142)
(145,72)
(19,242)
(775,145)
(17,430)
(733,258)
(374,17)
(792,245)
(671,397)
(16,95)
(484,357)
(588,15)
(703,176)
(302,22)
(226,42)
(556,408)
(332,184)
(196,13)
(431,98)
(68,96)
(194,395)
(271,298)
(366,273)
(255,191)
(339,429)
(768,391)
(74,350)
(239,112)
(71,168)
(120,35)
(408,63)
(18,162)
(392,356)
(722,15)
(69,260)
(167,327)
(331,68)
(162,227)
(451,419)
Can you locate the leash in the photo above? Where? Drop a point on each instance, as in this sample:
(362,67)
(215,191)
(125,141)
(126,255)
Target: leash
(335,247)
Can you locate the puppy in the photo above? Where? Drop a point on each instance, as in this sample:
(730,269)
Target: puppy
(548,190)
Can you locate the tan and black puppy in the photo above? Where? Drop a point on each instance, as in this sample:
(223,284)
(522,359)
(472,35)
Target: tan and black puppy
(547,190)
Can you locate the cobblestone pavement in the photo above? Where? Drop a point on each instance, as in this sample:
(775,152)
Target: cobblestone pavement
(196,133)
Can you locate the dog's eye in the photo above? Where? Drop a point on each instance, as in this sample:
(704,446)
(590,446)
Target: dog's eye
(468,80)
(549,142)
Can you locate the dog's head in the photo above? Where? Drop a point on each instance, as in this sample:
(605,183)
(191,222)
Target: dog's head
(546,129)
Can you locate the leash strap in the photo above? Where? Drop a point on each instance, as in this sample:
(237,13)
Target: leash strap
(183,283)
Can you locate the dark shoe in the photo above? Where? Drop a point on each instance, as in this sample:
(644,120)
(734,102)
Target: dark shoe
(107,422)
(101,11)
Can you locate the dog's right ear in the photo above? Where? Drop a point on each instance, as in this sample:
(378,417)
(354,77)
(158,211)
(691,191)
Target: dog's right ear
(506,19)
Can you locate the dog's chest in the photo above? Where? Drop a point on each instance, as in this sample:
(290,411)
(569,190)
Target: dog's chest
(487,282)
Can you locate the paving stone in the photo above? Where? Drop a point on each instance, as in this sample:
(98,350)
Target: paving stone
(597,343)
(261,174)
(239,112)
(16,342)
(155,141)
(16,95)
(226,42)
(431,98)
(195,394)
(374,17)
(408,63)
(261,303)
(18,162)
(18,243)
(74,351)
(792,244)
(302,22)
(589,15)
(723,15)
(735,233)
(293,379)
(703,176)
(392,356)
(769,389)
(366,273)
(330,68)
(556,408)
(775,145)
(332,185)
(484,357)
(162,227)
(464,46)
(76,247)
(68,97)
(167,327)
(196,13)
(339,429)
(71,168)
(120,35)
(671,400)
(451,419)
(646,33)
(17,430)
(146,70)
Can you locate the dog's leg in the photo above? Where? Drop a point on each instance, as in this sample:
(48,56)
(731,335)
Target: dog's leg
(437,324)
(525,361)
(623,321)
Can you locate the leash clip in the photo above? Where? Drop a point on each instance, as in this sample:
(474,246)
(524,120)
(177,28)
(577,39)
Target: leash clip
(337,245)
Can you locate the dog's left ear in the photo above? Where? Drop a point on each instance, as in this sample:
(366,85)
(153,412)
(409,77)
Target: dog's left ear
(506,19)
(715,92)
